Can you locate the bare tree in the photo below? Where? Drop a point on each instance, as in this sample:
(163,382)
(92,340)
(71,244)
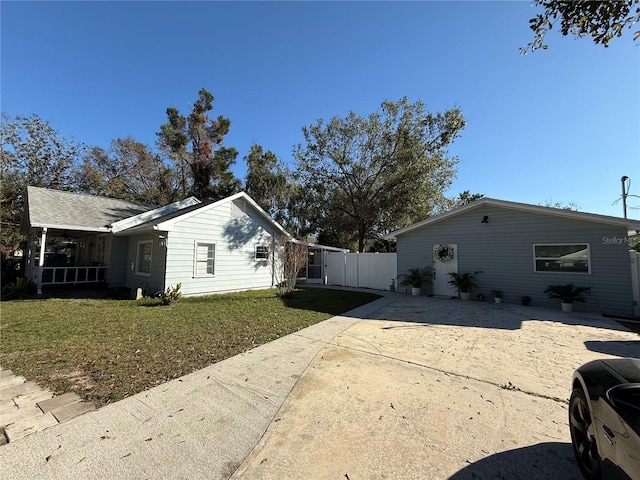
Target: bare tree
(289,257)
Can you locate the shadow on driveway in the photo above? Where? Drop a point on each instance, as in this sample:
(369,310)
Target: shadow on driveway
(618,348)
(424,311)
(544,461)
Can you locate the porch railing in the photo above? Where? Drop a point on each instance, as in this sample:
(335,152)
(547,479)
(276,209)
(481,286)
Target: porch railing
(72,275)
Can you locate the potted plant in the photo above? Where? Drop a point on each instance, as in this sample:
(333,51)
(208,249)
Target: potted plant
(464,283)
(525,300)
(567,295)
(497,295)
(415,278)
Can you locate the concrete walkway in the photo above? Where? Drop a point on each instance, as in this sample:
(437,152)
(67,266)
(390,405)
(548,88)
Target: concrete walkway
(26,408)
(202,425)
(403,388)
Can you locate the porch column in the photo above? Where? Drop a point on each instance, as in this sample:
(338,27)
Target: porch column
(43,240)
(324,266)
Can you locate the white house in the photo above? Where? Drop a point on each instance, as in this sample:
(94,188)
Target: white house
(208,247)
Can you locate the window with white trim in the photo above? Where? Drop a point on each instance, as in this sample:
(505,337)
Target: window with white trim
(562,258)
(262,252)
(204,261)
(143,258)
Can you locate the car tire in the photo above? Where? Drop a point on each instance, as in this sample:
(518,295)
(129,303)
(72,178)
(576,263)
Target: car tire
(583,438)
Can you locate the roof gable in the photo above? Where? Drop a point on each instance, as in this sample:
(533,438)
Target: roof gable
(166,222)
(76,211)
(631,225)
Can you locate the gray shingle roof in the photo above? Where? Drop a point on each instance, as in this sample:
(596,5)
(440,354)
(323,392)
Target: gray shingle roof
(57,208)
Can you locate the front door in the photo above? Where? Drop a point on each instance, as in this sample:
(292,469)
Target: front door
(445,260)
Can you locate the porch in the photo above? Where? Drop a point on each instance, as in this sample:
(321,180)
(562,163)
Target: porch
(71,275)
(64,257)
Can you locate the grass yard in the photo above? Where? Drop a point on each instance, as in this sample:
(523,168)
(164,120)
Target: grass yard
(106,350)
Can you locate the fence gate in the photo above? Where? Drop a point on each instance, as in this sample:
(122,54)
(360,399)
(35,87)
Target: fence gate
(361,270)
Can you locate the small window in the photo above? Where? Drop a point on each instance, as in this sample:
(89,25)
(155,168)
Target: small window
(562,258)
(204,259)
(143,259)
(262,252)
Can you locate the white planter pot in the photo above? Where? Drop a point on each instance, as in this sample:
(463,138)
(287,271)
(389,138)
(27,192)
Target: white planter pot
(415,290)
(497,300)
(566,307)
(465,296)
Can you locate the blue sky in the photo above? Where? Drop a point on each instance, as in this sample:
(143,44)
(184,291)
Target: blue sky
(561,125)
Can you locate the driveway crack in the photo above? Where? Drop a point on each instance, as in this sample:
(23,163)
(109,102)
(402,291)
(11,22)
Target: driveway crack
(563,401)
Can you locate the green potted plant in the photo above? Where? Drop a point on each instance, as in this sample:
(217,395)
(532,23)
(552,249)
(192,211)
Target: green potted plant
(497,295)
(415,278)
(567,295)
(464,283)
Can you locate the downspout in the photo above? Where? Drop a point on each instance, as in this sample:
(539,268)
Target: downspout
(43,240)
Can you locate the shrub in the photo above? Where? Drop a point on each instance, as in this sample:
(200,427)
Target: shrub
(17,289)
(416,277)
(171,295)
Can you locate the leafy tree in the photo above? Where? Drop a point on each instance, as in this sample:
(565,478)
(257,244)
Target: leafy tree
(467,197)
(129,170)
(33,153)
(194,144)
(602,21)
(464,198)
(267,181)
(300,216)
(565,206)
(370,175)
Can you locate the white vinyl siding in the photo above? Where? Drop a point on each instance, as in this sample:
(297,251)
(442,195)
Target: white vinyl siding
(204,259)
(144,257)
(235,240)
(562,258)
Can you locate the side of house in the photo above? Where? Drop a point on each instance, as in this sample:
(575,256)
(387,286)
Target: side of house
(212,248)
(522,251)
(226,247)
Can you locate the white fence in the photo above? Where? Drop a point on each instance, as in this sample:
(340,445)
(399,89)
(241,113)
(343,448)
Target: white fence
(361,270)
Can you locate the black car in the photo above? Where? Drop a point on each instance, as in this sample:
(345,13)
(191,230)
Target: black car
(604,419)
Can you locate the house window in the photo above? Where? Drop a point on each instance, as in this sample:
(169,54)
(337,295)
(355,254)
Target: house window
(204,259)
(143,259)
(262,252)
(562,258)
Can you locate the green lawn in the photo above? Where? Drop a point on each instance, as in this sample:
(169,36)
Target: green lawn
(106,350)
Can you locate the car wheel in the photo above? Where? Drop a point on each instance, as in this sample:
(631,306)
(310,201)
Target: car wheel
(583,436)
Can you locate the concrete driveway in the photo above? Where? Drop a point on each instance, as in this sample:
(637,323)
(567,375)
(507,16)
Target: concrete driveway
(402,388)
(439,389)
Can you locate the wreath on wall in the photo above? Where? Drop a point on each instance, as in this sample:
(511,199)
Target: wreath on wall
(444,253)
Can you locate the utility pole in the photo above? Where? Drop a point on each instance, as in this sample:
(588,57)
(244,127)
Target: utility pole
(624,195)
